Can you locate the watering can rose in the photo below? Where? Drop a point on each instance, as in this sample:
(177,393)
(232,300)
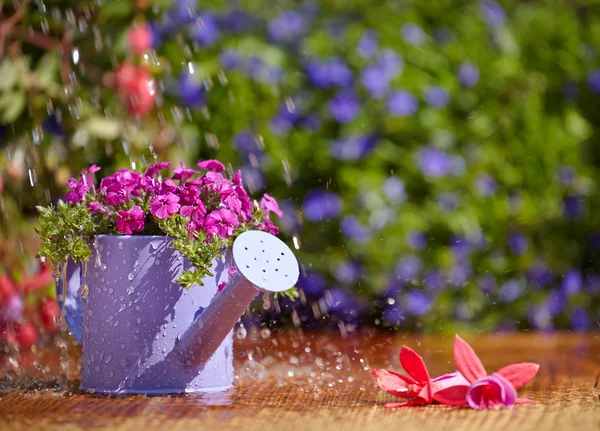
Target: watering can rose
(202,210)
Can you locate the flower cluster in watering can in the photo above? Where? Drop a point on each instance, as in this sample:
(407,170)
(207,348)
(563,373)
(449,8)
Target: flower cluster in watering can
(202,210)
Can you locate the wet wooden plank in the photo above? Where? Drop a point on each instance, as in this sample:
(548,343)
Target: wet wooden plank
(317,381)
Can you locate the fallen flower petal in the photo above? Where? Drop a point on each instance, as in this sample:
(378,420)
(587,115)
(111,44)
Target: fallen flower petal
(491,392)
(519,374)
(467,361)
(393,383)
(417,402)
(413,364)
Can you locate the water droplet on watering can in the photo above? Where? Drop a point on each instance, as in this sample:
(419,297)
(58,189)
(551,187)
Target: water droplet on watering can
(139,320)
(111,291)
(108,359)
(130,290)
(125,363)
(120,245)
(241,332)
(97,368)
(130,276)
(111,373)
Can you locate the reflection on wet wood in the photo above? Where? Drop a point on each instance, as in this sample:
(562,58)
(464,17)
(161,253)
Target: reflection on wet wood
(317,381)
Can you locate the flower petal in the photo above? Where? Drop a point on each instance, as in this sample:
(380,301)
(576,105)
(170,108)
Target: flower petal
(524,401)
(417,402)
(413,364)
(452,396)
(519,374)
(392,382)
(467,361)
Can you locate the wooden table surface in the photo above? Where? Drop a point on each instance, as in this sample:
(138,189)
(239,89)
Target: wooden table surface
(296,381)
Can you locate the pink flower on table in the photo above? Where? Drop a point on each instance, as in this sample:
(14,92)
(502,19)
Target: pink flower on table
(183,173)
(269,204)
(417,387)
(195,212)
(130,221)
(164,206)
(221,222)
(497,390)
(211,165)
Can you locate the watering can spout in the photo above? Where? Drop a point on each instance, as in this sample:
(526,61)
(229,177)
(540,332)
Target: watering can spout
(264,264)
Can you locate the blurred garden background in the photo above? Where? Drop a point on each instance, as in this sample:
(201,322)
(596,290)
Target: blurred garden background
(437,162)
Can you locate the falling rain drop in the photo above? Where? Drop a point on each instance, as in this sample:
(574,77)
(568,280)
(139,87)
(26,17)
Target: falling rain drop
(241,332)
(265,333)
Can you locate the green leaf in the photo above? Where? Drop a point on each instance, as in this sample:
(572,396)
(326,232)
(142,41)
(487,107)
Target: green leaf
(9,74)
(46,70)
(103,128)
(13,107)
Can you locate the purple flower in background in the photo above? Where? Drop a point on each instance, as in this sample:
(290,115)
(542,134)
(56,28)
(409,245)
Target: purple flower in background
(461,247)
(510,290)
(459,274)
(566,175)
(353,147)
(408,267)
(448,201)
(539,274)
(320,204)
(487,283)
(517,243)
(347,272)
(329,73)
(434,280)
(311,122)
(257,69)
(180,13)
(436,96)
(394,189)
(285,119)
(580,320)
(555,303)
(417,303)
(313,284)
(205,30)
(344,107)
(443,35)
(573,207)
(367,45)
(572,283)
(402,104)
(392,313)
(287,27)
(594,81)
(468,74)
(375,80)
(236,21)
(434,163)
(253,178)
(52,125)
(413,34)
(289,222)
(191,91)
(486,185)
(245,142)
(390,62)
(416,240)
(356,231)
(493,13)
(342,303)
(230,59)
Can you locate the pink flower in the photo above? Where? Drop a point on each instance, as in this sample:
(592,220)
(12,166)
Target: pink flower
(268,226)
(242,196)
(196,212)
(491,392)
(189,192)
(417,386)
(269,204)
(183,173)
(221,286)
(149,182)
(221,222)
(81,187)
(211,165)
(167,186)
(140,39)
(214,182)
(164,206)
(96,207)
(232,270)
(497,390)
(130,221)
(120,186)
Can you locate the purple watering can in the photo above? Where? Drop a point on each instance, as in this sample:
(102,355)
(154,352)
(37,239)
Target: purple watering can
(141,332)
